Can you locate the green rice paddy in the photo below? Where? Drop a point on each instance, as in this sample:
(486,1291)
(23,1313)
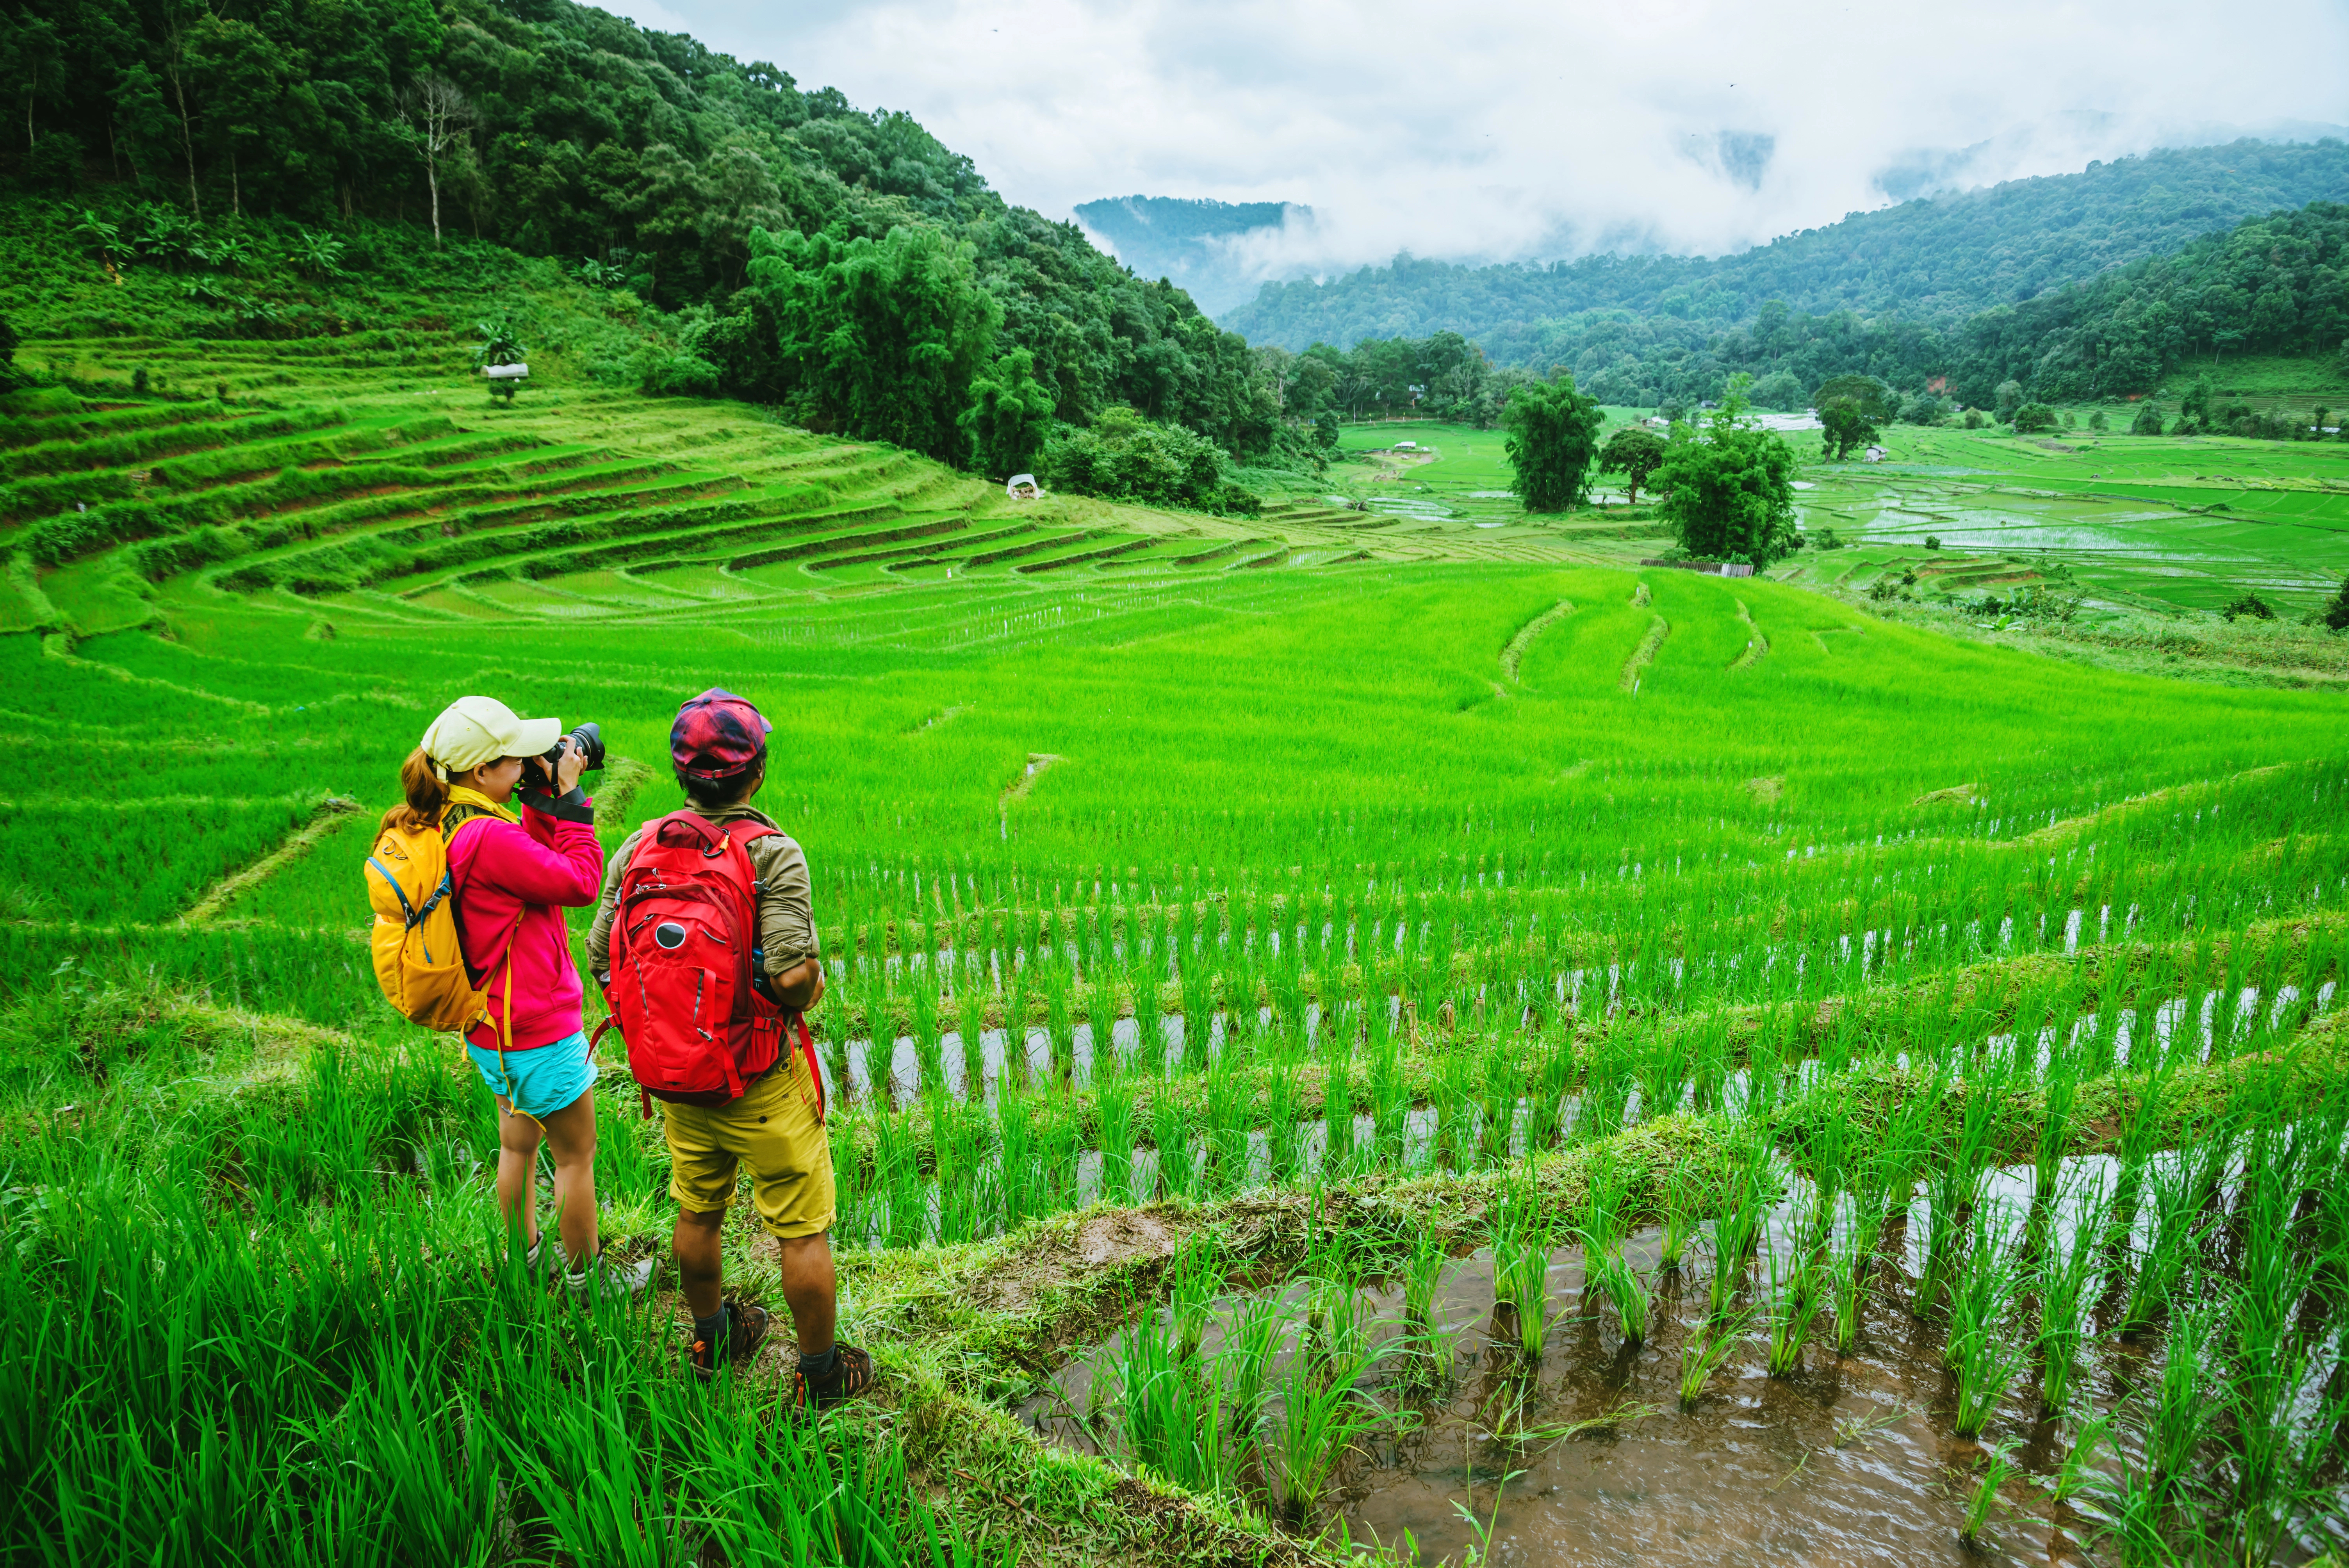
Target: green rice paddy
(1344,911)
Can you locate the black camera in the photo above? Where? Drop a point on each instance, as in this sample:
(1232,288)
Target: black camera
(587,740)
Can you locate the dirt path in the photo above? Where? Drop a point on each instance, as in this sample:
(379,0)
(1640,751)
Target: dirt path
(1645,653)
(1513,652)
(1037,762)
(1757,649)
(330,814)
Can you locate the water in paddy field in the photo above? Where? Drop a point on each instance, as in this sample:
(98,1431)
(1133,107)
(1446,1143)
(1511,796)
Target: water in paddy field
(1851,1461)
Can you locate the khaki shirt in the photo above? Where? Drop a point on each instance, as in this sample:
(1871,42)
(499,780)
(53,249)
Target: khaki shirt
(786,920)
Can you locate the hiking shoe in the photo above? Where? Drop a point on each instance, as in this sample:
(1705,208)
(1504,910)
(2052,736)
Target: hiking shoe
(746,1330)
(851,1377)
(610,1281)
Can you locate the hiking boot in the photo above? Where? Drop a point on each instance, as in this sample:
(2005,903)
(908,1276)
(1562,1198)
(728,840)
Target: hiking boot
(851,1375)
(608,1281)
(746,1330)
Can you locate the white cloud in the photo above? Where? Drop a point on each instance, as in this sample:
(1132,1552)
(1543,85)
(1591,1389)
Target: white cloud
(1533,129)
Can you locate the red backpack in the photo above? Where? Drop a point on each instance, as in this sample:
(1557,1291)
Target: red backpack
(698,1031)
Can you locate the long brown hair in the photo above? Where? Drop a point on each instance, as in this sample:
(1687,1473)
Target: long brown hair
(426,797)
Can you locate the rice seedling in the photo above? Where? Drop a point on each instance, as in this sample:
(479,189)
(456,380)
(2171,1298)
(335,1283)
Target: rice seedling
(922,1011)
(1317,1425)
(1197,983)
(1997,1464)
(1497,1113)
(1741,1212)
(1192,1283)
(1228,1115)
(1681,1219)
(1149,1025)
(1339,1156)
(2161,1267)
(1060,1023)
(1390,1105)
(1953,1186)
(970,1028)
(1284,1114)
(1797,1293)
(1113,1116)
(1522,1242)
(1170,1135)
(1605,1268)
(1102,1005)
(1169,1409)
(2181,1414)
(1985,1359)
(1709,1346)
(1017,1002)
(2060,1286)
(1253,1334)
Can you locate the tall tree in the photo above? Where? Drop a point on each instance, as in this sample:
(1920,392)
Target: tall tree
(1552,440)
(434,116)
(1010,415)
(1729,492)
(1635,453)
(1844,423)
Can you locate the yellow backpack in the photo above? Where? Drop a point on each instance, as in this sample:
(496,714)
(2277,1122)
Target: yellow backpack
(418,959)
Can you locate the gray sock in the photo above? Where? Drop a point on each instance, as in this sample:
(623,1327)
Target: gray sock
(820,1366)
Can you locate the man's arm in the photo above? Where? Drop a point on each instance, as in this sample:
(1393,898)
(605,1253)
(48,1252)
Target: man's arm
(798,988)
(599,934)
(794,959)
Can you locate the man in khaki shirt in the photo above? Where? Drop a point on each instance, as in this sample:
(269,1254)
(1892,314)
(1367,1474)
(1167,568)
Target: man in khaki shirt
(718,747)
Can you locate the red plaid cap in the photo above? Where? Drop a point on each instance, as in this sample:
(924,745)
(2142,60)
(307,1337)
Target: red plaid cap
(717,735)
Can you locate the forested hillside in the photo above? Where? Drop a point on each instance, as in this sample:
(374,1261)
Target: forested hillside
(2277,285)
(642,159)
(1938,259)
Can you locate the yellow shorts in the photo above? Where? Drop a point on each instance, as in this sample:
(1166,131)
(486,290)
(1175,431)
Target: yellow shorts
(775,1127)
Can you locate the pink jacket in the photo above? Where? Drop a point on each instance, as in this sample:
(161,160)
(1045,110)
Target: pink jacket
(539,868)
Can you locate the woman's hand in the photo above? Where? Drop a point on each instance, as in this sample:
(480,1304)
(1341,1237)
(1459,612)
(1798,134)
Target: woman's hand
(568,767)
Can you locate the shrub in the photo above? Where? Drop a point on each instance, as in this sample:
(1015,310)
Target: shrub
(2250,605)
(1932,541)
(2147,421)
(2336,614)
(1974,421)
(2033,416)
(2096,421)
(1124,457)
(682,375)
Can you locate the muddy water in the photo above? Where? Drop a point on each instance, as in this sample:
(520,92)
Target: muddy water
(1850,1461)
(1763,1470)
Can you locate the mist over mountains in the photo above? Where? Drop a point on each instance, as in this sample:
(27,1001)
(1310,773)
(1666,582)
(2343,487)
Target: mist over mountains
(1934,258)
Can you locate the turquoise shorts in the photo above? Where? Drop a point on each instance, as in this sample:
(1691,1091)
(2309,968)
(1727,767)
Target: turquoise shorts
(538,1083)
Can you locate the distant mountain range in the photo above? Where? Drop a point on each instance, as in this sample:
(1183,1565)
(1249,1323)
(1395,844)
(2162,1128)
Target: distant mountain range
(1936,259)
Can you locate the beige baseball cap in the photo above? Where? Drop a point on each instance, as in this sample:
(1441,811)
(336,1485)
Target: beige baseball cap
(476,729)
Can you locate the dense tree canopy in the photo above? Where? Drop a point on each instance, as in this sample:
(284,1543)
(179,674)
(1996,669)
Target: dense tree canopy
(1728,490)
(643,158)
(1635,453)
(1552,443)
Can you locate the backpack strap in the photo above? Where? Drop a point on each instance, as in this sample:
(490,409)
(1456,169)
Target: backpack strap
(745,833)
(449,889)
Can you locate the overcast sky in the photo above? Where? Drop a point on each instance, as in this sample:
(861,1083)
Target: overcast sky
(1537,128)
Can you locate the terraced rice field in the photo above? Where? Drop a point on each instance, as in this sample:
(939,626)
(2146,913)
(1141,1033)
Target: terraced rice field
(1343,1041)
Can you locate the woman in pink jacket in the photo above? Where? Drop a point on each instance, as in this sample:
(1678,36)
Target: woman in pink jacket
(513,873)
